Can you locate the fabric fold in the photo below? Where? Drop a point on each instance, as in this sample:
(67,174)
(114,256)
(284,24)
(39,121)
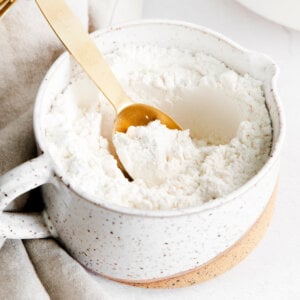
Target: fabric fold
(63,277)
(18,277)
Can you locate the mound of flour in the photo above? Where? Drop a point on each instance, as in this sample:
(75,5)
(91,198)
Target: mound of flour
(226,142)
(156,154)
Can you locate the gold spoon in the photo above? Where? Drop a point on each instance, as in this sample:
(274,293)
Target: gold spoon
(5,5)
(80,45)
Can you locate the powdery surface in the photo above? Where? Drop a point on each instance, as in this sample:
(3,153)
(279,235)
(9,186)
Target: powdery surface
(228,140)
(158,155)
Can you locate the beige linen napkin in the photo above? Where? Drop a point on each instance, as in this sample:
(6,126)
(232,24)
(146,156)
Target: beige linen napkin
(39,269)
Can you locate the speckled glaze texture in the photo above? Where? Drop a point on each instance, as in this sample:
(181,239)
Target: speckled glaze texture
(138,248)
(137,245)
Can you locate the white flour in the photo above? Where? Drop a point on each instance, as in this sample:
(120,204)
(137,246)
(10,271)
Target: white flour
(228,142)
(156,154)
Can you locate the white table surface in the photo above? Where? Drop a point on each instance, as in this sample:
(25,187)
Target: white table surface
(272,271)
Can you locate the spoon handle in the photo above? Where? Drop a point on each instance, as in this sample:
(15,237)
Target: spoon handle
(80,45)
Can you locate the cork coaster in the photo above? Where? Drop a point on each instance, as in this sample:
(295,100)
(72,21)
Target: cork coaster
(225,260)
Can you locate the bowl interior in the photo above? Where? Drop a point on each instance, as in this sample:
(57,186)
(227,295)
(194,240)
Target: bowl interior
(166,34)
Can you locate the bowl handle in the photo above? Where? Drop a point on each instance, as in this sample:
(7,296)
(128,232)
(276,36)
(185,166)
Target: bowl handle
(15,182)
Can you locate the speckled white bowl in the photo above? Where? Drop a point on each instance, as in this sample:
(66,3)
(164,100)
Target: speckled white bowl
(138,245)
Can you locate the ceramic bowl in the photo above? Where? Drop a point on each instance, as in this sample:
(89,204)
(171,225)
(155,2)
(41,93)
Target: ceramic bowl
(135,245)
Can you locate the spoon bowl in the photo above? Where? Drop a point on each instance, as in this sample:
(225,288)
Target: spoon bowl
(140,115)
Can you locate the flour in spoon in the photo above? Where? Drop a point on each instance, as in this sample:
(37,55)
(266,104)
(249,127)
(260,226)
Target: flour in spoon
(226,137)
(156,154)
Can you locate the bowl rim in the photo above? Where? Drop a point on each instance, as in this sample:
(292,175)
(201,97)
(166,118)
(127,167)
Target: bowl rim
(210,205)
